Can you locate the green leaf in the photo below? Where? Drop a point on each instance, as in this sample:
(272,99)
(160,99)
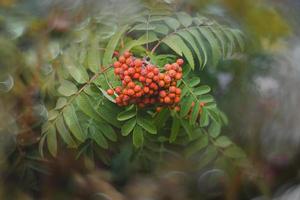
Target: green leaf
(189,38)
(172,23)
(128,126)
(185,19)
(208,156)
(195,113)
(126,114)
(223,142)
(78,73)
(87,108)
(52,114)
(147,125)
(171,42)
(107,131)
(97,136)
(207,98)
(193,81)
(64,132)
(196,146)
(52,141)
(204,119)
(41,145)
(215,50)
(214,129)
(73,123)
(111,46)
(162,29)
(93,55)
(61,102)
(67,88)
(186,105)
(138,138)
(187,127)
(204,89)
(201,44)
(174,129)
(234,152)
(176,43)
(143,27)
(238,36)
(144,39)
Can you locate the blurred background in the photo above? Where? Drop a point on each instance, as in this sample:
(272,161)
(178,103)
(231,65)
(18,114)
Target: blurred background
(259,92)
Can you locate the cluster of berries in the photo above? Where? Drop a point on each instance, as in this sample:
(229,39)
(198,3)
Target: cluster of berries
(143,83)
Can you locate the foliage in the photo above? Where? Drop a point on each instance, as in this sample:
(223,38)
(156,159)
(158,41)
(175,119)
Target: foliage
(87,119)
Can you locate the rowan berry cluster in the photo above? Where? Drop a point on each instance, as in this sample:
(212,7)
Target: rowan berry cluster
(144,84)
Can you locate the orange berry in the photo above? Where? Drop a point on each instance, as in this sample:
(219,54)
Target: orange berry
(124,66)
(156,71)
(177,108)
(130,92)
(178,91)
(175,66)
(172,89)
(168,67)
(127,79)
(146,89)
(131,85)
(117,64)
(148,80)
(118,90)
(158,109)
(177,99)
(127,54)
(161,76)
(202,104)
(136,75)
(137,88)
(150,75)
(162,93)
(167,100)
(172,73)
(161,83)
(110,92)
(172,95)
(167,79)
(122,59)
(180,61)
(131,70)
(138,63)
(178,76)
(142,79)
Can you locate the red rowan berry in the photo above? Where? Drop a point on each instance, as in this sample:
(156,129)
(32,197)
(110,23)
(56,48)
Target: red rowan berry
(177,99)
(180,61)
(177,108)
(142,79)
(118,90)
(131,84)
(158,109)
(202,104)
(178,91)
(127,79)
(172,89)
(167,100)
(138,63)
(122,59)
(150,75)
(130,92)
(161,83)
(110,92)
(127,54)
(146,89)
(148,80)
(172,73)
(162,93)
(178,76)
(167,79)
(117,64)
(137,88)
(172,95)
(124,66)
(136,75)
